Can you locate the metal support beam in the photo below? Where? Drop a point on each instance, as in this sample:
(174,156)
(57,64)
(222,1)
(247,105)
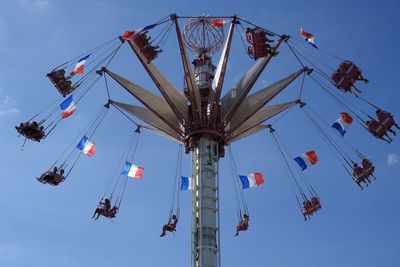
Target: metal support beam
(261,116)
(232,100)
(259,99)
(219,76)
(205,201)
(154,103)
(149,117)
(189,77)
(171,94)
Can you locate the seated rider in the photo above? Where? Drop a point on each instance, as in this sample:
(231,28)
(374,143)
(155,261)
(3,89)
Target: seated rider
(57,74)
(113,212)
(387,120)
(377,130)
(243,224)
(51,175)
(358,174)
(31,130)
(307,209)
(170,226)
(315,203)
(102,209)
(368,167)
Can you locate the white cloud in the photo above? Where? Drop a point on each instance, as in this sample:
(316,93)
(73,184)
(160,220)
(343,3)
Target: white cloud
(7,105)
(34,4)
(392,159)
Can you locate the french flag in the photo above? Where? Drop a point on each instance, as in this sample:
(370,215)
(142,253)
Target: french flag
(343,123)
(80,66)
(132,170)
(187,183)
(67,107)
(306,159)
(218,23)
(252,180)
(308,37)
(86,146)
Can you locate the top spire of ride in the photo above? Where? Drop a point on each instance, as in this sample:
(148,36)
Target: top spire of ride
(204,34)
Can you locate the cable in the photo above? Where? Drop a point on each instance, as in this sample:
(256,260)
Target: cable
(287,168)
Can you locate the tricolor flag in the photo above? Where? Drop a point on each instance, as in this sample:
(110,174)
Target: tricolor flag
(80,66)
(252,180)
(186,183)
(344,122)
(67,107)
(146,28)
(308,37)
(132,170)
(306,159)
(218,23)
(86,146)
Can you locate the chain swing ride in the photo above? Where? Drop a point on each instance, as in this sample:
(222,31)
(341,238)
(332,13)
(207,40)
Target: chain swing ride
(204,122)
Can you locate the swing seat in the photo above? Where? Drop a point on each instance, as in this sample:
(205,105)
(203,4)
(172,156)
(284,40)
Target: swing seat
(307,212)
(361,178)
(171,227)
(57,179)
(368,167)
(56,76)
(346,75)
(141,39)
(350,70)
(258,46)
(316,204)
(242,226)
(110,213)
(387,122)
(62,84)
(51,178)
(342,82)
(308,208)
(370,171)
(380,131)
(149,52)
(30,132)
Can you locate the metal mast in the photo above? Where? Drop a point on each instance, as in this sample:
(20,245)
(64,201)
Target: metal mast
(202,120)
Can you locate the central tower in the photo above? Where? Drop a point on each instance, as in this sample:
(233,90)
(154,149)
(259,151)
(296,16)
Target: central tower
(203,37)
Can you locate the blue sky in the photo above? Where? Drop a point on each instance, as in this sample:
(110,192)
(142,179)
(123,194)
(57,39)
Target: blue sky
(45,226)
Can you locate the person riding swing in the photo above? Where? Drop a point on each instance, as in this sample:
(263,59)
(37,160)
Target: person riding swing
(315,203)
(54,177)
(387,120)
(378,130)
(102,209)
(368,168)
(170,226)
(243,224)
(31,130)
(360,176)
(308,209)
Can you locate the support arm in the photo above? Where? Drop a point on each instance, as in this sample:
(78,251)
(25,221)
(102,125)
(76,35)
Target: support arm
(232,100)
(256,101)
(171,94)
(158,106)
(189,76)
(218,81)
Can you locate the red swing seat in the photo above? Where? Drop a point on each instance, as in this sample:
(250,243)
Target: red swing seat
(346,75)
(60,82)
